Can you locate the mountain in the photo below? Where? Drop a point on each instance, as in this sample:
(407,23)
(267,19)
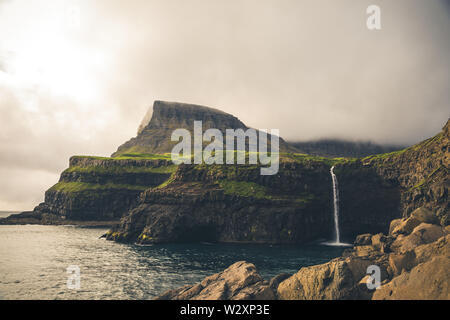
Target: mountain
(154,136)
(164,117)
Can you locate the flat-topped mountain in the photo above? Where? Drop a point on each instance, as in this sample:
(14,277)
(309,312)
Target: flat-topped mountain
(154,136)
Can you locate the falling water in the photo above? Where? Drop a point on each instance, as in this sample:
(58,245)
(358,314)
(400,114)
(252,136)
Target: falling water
(335,205)
(337,241)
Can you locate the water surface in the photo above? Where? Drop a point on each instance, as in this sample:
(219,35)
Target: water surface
(34,260)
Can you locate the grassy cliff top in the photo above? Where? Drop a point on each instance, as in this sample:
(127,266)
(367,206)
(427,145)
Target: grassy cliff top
(76,187)
(129,156)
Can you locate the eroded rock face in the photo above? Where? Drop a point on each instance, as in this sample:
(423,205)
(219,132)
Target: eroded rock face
(422,174)
(294,206)
(240,281)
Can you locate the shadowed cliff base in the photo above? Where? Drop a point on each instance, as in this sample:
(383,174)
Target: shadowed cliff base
(413,260)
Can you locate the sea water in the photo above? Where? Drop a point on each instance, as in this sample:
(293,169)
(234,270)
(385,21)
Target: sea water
(34,261)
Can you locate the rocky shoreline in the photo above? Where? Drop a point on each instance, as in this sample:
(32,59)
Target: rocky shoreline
(413,259)
(31,217)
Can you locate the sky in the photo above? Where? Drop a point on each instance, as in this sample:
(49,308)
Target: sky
(77,77)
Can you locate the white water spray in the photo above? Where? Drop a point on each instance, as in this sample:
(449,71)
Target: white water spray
(337,241)
(335,205)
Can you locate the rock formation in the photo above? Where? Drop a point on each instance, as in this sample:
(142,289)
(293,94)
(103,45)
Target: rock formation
(234,203)
(154,137)
(206,202)
(240,281)
(422,173)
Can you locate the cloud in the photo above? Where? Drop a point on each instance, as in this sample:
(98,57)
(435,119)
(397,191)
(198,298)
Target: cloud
(76,77)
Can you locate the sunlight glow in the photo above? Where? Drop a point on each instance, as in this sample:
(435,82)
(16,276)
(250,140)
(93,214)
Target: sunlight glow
(47,57)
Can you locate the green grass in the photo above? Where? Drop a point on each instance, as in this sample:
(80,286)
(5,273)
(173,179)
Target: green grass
(122,169)
(244,189)
(254,190)
(146,156)
(74,187)
(131,156)
(303,158)
(167,182)
(384,156)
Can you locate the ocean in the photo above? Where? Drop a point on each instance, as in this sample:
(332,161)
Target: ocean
(34,262)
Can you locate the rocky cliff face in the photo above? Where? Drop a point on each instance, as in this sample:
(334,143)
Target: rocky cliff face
(421,172)
(236,204)
(168,116)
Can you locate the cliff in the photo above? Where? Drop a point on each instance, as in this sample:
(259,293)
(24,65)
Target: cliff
(98,189)
(154,137)
(421,173)
(234,203)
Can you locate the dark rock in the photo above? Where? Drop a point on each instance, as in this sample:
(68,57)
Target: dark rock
(363,240)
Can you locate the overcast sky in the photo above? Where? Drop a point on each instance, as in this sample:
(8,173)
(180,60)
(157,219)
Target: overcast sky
(309,68)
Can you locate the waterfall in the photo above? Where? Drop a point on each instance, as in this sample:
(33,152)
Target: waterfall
(337,241)
(335,205)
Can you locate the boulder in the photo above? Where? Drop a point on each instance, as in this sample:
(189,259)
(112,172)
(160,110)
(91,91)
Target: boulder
(378,241)
(335,280)
(422,234)
(364,251)
(240,281)
(429,232)
(406,226)
(422,214)
(426,281)
(394,224)
(401,262)
(363,239)
(427,251)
